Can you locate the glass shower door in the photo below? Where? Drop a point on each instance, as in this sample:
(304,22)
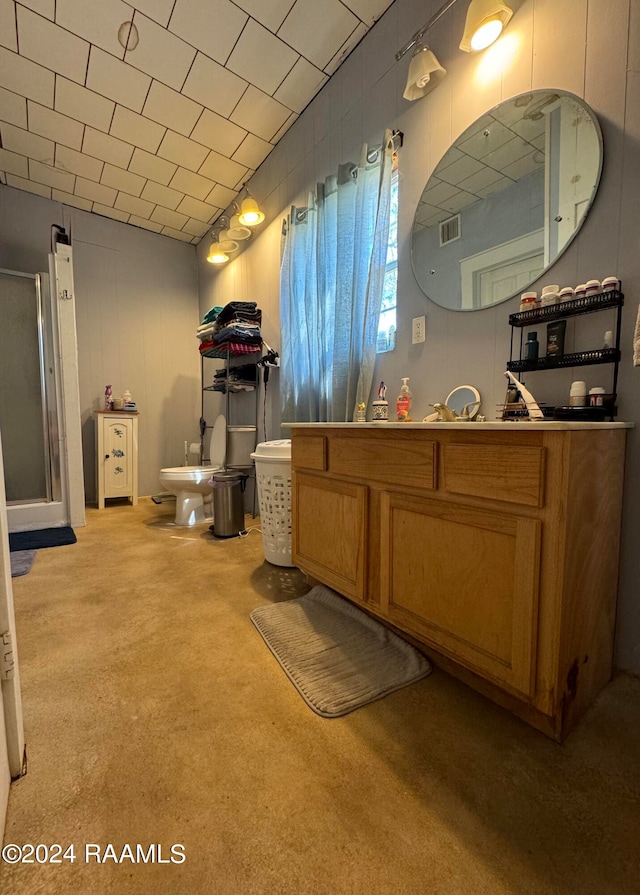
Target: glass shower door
(28,412)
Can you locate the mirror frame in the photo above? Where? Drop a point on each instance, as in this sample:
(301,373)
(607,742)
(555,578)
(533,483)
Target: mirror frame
(599,136)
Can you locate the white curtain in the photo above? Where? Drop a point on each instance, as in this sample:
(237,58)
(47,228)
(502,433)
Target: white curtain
(331,283)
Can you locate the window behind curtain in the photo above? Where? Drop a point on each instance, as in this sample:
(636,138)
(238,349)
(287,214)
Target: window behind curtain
(387,324)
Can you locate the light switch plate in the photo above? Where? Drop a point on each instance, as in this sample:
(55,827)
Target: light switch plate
(418,330)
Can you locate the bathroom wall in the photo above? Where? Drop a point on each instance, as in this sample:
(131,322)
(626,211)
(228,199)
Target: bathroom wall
(136,314)
(587,47)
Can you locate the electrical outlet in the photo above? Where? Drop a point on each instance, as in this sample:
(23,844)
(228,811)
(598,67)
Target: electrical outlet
(418,330)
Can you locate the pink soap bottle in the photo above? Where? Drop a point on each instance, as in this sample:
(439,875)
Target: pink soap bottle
(403,403)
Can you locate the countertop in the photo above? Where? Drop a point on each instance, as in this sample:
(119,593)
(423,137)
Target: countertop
(488,425)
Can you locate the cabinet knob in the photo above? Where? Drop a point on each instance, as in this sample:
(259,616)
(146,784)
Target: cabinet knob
(106,456)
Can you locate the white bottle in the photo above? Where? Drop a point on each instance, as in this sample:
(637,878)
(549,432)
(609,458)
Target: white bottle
(126,397)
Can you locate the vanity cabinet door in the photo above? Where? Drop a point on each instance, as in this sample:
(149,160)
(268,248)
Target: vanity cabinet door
(329,531)
(465,581)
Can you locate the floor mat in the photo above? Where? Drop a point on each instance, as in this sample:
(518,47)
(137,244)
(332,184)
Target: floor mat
(21,562)
(43,537)
(336,656)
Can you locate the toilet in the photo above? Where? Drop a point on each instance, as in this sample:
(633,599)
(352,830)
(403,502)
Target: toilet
(190,484)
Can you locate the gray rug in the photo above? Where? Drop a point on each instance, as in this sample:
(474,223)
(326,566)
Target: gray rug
(336,656)
(21,562)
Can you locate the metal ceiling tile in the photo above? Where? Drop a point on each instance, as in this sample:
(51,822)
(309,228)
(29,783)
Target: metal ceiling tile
(51,176)
(107,148)
(12,163)
(170,108)
(78,163)
(222,170)
(160,53)
(318,28)
(84,105)
(213,86)
(136,129)
(271,14)
(70,199)
(95,21)
(252,151)
(151,166)
(132,205)
(222,196)
(15,139)
(108,212)
(276,58)
(169,218)
(192,184)
(158,10)
(46,8)
(26,78)
(13,108)
(300,86)
(21,184)
(96,192)
(148,225)
(176,234)
(46,43)
(196,228)
(8,31)
(161,195)
(126,181)
(54,126)
(213,28)
(369,11)
(218,133)
(178,149)
(260,114)
(116,80)
(201,211)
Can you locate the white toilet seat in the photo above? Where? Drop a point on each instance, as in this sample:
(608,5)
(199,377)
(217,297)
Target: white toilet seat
(190,484)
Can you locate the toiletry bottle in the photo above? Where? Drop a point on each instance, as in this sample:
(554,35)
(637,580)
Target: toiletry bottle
(531,346)
(403,404)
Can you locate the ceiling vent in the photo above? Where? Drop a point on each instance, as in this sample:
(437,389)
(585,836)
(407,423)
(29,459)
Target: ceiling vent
(450,230)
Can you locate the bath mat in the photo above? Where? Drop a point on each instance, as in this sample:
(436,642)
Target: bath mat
(21,562)
(336,656)
(43,537)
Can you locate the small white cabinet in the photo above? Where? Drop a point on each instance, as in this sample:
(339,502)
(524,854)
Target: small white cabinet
(117,455)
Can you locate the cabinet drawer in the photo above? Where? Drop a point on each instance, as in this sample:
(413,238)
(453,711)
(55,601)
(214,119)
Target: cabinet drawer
(309,452)
(392,460)
(513,473)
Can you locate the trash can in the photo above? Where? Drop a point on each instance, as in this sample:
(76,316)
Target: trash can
(273,475)
(228,504)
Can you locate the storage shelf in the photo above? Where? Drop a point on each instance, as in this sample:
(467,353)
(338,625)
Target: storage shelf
(578,359)
(587,305)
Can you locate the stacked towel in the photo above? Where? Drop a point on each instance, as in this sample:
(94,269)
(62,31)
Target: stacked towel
(234,329)
(238,379)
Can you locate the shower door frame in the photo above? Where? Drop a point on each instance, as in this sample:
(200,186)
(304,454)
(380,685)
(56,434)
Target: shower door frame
(52,511)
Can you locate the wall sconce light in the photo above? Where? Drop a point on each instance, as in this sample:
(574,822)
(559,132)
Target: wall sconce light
(237,230)
(425,73)
(216,255)
(250,213)
(484,25)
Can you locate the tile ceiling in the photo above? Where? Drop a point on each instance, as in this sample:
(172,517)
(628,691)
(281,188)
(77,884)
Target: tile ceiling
(156,112)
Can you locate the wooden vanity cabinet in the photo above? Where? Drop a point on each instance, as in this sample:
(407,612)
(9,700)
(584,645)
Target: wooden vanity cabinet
(496,551)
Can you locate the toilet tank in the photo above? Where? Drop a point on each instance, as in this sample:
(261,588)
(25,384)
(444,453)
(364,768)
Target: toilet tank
(241,442)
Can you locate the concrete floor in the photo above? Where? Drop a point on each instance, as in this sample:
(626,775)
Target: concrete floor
(155,714)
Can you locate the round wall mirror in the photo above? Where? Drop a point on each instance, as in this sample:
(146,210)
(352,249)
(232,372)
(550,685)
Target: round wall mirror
(506,200)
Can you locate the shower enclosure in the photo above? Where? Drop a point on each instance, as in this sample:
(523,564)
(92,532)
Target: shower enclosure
(30,403)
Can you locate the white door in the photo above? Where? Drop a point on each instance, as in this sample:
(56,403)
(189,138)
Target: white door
(11,725)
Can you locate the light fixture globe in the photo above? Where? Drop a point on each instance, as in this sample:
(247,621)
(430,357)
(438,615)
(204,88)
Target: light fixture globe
(238,231)
(250,214)
(485,22)
(225,243)
(216,254)
(425,73)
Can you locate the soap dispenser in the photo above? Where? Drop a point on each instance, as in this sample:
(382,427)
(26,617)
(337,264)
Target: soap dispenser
(403,403)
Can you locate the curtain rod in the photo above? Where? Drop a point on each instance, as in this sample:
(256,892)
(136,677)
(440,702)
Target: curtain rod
(420,34)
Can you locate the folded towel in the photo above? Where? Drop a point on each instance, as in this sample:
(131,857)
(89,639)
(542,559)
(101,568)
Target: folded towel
(211,314)
(636,341)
